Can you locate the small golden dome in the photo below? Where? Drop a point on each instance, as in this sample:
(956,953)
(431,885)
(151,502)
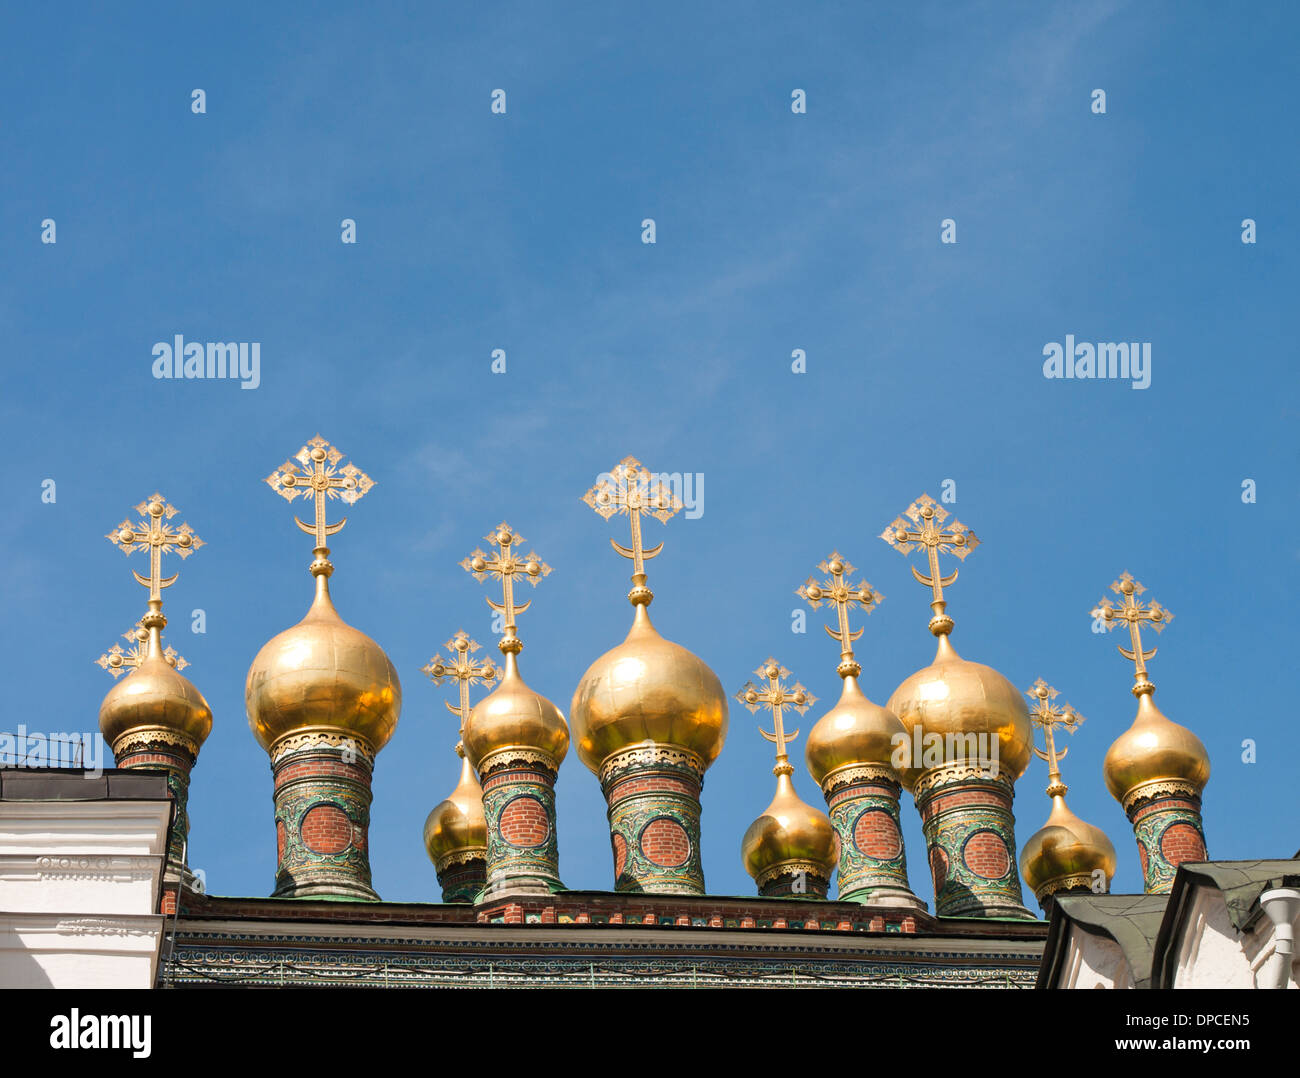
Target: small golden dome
(155,696)
(789,832)
(1065,849)
(457,824)
(513,716)
(1154,750)
(648,689)
(954,697)
(854,732)
(322,673)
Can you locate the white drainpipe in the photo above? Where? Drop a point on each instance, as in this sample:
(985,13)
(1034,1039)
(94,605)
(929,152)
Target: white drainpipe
(1281,906)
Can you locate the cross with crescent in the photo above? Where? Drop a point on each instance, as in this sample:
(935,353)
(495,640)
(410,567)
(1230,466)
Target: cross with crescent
(928,531)
(318,476)
(158,537)
(464,670)
(845,596)
(1047,716)
(505,565)
(1130,610)
(628,488)
(776,698)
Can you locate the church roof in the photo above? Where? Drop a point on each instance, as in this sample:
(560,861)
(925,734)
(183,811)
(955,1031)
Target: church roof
(1132,921)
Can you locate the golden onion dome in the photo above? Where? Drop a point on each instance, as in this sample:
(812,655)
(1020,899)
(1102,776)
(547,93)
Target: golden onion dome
(855,732)
(155,696)
(954,697)
(648,689)
(1065,848)
(457,823)
(789,832)
(322,673)
(1152,751)
(512,716)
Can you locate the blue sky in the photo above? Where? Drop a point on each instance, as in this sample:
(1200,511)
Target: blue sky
(775,231)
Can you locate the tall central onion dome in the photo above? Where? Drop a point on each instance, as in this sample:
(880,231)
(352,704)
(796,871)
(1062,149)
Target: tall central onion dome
(952,698)
(1155,754)
(156,699)
(648,690)
(322,674)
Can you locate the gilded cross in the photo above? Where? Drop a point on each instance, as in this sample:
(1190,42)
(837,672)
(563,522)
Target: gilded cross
(318,476)
(156,535)
(631,490)
(845,596)
(928,531)
(776,698)
(1047,716)
(1131,611)
(464,669)
(118,660)
(504,565)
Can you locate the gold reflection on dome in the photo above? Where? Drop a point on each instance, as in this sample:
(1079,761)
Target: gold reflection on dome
(322,673)
(1066,853)
(788,833)
(155,696)
(1154,753)
(647,689)
(457,823)
(856,731)
(512,716)
(952,697)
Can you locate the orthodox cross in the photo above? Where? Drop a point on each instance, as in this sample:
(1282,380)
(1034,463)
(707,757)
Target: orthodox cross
(776,698)
(158,537)
(845,596)
(1133,612)
(318,476)
(928,531)
(464,670)
(1047,717)
(632,490)
(504,565)
(117,660)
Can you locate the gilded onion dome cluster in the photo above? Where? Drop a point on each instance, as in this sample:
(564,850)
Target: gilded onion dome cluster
(649,718)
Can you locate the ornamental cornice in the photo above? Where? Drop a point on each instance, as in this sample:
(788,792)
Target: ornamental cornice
(1157,788)
(499,759)
(651,755)
(853,773)
(322,737)
(951,774)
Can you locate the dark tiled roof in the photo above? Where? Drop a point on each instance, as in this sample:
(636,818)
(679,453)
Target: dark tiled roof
(1241,883)
(78,784)
(1132,921)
